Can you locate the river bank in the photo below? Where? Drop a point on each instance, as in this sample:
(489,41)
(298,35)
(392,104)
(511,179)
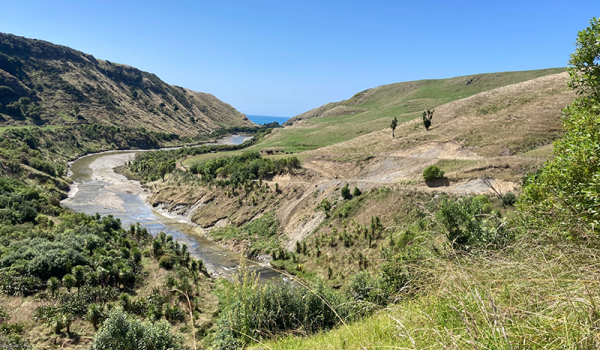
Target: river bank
(97,188)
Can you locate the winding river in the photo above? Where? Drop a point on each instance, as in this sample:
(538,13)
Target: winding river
(97,188)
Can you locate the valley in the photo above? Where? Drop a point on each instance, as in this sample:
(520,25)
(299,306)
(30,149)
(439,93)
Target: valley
(450,213)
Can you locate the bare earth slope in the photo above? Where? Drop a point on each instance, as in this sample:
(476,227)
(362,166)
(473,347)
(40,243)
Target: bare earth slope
(43,83)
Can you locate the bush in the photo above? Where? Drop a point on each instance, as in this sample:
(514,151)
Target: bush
(346,192)
(123,332)
(356,192)
(509,199)
(166,262)
(468,227)
(432,172)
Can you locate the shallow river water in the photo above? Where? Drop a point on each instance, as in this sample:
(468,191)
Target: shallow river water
(97,188)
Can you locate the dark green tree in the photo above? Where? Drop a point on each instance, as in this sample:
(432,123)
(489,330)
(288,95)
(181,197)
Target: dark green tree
(356,192)
(79,274)
(394,125)
(95,314)
(427,116)
(432,172)
(53,285)
(346,192)
(76,110)
(69,281)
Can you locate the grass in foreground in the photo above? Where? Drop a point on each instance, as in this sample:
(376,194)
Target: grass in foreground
(537,294)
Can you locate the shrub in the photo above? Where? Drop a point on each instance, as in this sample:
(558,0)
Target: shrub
(166,262)
(509,199)
(467,226)
(432,172)
(346,192)
(356,192)
(123,332)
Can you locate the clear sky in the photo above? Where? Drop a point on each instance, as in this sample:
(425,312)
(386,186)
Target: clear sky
(285,57)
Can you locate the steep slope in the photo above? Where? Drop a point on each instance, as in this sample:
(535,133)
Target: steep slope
(43,83)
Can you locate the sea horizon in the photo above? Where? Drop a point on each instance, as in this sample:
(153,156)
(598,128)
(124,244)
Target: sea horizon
(264,119)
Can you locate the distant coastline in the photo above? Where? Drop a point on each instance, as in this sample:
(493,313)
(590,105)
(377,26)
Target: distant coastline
(263,119)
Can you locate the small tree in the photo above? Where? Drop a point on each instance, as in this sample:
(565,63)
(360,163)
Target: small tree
(356,192)
(79,275)
(394,125)
(53,285)
(432,173)
(346,192)
(95,315)
(427,116)
(509,199)
(69,281)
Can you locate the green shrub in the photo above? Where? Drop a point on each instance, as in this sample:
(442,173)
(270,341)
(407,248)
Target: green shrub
(123,332)
(432,172)
(468,227)
(565,194)
(346,192)
(509,199)
(166,262)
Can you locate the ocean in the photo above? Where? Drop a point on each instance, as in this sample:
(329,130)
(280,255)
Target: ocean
(263,119)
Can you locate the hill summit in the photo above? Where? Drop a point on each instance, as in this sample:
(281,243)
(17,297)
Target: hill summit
(46,84)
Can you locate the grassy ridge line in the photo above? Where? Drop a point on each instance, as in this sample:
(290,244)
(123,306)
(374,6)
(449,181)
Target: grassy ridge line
(373,109)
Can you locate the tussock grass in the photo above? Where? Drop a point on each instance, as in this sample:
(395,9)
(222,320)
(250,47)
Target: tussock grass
(539,293)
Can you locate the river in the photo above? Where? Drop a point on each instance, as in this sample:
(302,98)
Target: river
(97,188)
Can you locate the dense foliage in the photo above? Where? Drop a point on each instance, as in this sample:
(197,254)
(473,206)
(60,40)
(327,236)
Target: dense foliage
(469,223)
(152,166)
(432,172)
(241,168)
(565,193)
(124,332)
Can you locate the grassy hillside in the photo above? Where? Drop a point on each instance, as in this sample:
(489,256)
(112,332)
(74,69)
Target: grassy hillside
(46,84)
(374,108)
(505,132)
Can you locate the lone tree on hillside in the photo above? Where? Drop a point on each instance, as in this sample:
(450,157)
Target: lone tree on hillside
(394,125)
(427,116)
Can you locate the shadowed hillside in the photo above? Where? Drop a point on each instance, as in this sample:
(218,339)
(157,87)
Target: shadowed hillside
(42,83)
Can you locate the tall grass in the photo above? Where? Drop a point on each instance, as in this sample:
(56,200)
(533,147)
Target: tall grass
(256,310)
(538,293)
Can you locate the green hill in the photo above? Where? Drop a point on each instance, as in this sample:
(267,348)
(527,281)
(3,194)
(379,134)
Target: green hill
(46,84)
(372,109)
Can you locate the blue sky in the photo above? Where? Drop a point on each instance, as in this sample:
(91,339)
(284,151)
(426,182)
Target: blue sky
(282,58)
